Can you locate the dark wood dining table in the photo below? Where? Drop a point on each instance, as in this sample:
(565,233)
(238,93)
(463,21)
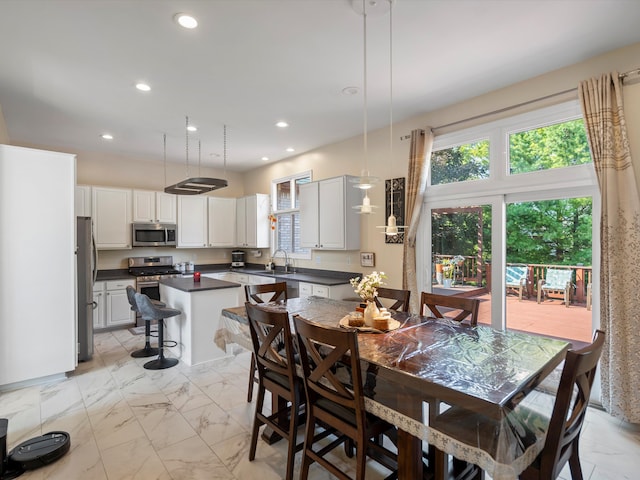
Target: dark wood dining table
(427,364)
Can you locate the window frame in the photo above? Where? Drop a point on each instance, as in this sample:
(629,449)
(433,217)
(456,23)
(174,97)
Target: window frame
(287,211)
(502,188)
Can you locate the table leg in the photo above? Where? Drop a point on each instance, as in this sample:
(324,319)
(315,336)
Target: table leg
(409,456)
(278,404)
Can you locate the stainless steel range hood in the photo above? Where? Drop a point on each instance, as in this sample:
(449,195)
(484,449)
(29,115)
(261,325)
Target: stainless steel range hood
(196,186)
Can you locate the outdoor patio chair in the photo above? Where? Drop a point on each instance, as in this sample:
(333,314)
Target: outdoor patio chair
(516,278)
(558,280)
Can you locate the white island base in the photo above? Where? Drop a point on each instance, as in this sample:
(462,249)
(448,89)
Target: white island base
(201,304)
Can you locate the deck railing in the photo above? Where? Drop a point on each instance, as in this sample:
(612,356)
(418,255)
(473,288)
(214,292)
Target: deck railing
(478,272)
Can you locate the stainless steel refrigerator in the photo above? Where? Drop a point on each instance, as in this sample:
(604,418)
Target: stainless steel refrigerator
(86,262)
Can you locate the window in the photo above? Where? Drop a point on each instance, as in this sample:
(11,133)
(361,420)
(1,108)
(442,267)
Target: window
(460,163)
(286,213)
(520,191)
(553,146)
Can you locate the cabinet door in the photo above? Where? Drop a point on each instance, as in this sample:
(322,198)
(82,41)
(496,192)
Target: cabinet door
(99,310)
(144,206)
(118,308)
(309,205)
(331,213)
(83,201)
(165,207)
(192,222)
(263,226)
(306,289)
(241,222)
(222,222)
(111,209)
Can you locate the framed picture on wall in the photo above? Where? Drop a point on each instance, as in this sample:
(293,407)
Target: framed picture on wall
(367,259)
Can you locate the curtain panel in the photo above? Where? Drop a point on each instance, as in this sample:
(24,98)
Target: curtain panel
(602,107)
(419,158)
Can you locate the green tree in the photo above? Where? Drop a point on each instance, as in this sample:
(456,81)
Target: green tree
(457,164)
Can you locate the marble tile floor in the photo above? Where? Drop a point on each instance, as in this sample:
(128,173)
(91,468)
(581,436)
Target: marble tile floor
(194,423)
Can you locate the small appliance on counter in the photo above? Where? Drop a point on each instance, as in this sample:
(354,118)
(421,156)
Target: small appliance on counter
(237,259)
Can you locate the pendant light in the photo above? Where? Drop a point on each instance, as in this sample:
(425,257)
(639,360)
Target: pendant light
(391,229)
(365,181)
(194,185)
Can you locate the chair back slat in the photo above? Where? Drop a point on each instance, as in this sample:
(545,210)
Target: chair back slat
(557,279)
(256,293)
(570,406)
(401,298)
(440,304)
(516,274)
(272,341)
(324,353)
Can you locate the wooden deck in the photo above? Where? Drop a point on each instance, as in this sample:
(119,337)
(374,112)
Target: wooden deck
(550,318)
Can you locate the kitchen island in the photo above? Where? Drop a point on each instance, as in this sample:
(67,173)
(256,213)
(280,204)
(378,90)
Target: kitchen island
(200,303)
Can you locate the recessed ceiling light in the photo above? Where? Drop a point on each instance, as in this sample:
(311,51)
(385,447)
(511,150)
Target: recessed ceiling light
(282,124)
(350,91)
(185,20)
(191,128)
(106,136)
(143,87)
(291,149)
(265,159)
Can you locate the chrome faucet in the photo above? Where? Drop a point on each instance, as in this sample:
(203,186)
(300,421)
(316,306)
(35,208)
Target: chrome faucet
(286,258)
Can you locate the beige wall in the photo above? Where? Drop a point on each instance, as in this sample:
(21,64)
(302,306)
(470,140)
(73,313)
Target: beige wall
(347,157)
(4,135)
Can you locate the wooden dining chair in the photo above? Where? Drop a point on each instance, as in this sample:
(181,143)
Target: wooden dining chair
(274,353)
(463,307)
(335,398)
(257,294)
(401,298)
(564,426)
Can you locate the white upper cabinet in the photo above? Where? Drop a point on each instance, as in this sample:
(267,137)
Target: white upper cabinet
(252,221)
(111,212)
(222,222)
(327,217)
(192,221)
(154,207)
(83,200)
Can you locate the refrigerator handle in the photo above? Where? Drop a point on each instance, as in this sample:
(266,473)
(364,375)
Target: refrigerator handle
(94,252)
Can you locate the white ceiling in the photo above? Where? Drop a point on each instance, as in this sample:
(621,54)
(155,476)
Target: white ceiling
(68,67)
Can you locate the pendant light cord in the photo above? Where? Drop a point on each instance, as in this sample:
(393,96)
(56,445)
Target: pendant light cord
(366,155)
(224,152)
(186,129)
(164,154)
(391,97)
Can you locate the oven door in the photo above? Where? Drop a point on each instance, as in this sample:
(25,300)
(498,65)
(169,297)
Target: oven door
(150,288)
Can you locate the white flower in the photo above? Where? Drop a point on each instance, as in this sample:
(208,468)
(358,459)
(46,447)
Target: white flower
(367,288)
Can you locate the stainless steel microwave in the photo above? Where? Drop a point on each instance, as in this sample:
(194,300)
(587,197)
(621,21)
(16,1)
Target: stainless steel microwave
(154,234)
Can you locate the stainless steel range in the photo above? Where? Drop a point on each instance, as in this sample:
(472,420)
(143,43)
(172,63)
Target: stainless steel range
(148,272)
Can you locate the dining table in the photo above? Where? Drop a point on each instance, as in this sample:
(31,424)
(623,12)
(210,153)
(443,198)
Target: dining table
(426,365)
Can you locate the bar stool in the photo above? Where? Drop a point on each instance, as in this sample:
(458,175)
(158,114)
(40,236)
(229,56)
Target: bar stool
(150,312)
(148,350)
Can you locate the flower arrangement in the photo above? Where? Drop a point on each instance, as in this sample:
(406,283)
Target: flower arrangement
(367,287)
(449,265)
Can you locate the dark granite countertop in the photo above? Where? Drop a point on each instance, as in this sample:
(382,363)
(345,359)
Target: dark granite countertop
(116,274)
(320,277)
(308,275)
(188,285)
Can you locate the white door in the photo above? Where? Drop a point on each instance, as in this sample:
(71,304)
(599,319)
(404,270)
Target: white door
(331,210)
(165,207)
(192,221)
(222,222)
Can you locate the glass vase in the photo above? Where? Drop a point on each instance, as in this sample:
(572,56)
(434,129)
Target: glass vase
(370,313)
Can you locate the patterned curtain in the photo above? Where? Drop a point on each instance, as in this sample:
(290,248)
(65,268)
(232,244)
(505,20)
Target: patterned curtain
(420,155)
(620,250)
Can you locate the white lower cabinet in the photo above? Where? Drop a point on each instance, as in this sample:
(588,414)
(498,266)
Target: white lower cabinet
(99,307)
(335,292)
(113,308)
